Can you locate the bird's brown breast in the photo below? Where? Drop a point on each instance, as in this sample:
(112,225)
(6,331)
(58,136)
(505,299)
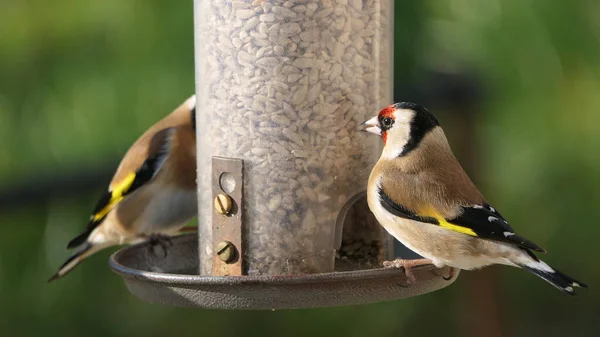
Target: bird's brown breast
(429,176)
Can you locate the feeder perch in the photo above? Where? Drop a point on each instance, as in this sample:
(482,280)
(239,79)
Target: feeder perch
(283,221)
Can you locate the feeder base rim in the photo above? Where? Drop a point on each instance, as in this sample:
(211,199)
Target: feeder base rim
(135,263)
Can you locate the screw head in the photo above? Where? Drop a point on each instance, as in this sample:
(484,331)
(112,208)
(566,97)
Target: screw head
(226,251)
(223,204)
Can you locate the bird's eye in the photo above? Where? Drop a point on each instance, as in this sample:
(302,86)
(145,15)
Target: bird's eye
(387,122)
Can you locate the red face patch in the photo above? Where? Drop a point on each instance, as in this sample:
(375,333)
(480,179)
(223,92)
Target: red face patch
(387,112)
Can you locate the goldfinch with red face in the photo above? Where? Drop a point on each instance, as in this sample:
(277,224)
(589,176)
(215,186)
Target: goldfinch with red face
(422,196)
(152,194)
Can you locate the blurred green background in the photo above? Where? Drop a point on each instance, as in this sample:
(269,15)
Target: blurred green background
(80,80)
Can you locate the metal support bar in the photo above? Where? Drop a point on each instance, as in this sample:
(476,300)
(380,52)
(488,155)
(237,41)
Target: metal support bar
(227,190)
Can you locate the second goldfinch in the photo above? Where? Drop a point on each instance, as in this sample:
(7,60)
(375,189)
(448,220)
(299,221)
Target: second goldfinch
(152,194)
(422,196)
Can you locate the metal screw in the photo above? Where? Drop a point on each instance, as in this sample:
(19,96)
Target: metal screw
(226,251)
(223,204)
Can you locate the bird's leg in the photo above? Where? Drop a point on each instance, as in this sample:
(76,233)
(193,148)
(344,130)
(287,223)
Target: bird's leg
(407,265)
(164,241)
(450,274)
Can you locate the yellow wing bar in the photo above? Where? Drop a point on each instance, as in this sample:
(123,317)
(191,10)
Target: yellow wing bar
(116,196)
(429,211)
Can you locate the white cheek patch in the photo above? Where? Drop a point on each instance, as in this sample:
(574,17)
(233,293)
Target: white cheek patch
(390,152)
(399,135)
(403,116)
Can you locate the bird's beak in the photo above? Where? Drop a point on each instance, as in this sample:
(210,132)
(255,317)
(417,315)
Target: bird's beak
(372,126)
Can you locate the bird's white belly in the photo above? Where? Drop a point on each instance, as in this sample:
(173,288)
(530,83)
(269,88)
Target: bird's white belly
(169,211)
(445,247)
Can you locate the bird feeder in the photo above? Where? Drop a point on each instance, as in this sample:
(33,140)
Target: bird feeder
(283,222)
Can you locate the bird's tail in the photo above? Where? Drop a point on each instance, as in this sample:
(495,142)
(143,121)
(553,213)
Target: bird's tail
(81,253)
(556,278)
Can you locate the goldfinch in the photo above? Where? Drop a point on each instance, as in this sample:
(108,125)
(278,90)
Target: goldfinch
(152,194)
(421,195)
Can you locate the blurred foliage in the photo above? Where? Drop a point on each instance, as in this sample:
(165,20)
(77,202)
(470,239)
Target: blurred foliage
(79,80)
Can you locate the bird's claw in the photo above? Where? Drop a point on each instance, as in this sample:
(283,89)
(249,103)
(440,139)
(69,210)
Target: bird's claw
(450,274)
(392,264)
(162,240)
(407,265)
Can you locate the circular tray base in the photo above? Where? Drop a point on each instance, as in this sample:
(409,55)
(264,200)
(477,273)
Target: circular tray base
(173,280)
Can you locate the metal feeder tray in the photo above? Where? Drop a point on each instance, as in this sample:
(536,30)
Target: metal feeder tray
(174,280)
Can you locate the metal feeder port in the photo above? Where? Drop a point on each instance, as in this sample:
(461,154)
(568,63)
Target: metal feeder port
(282,170)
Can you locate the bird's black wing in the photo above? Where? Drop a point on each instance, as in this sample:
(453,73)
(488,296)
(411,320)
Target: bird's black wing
(157,154)
(481,221)
(487,223)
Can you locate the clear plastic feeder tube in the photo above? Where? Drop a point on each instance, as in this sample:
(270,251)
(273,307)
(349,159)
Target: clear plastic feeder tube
(283,85)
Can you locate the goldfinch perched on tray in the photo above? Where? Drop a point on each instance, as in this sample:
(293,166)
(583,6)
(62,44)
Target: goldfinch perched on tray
(152,194)
(422,196)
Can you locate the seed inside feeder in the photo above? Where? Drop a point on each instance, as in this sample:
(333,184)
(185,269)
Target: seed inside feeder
(283,85)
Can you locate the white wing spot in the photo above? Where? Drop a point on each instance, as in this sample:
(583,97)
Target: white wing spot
(492,218)
(492,209)
(477,206)
(569,289)
(508,234)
